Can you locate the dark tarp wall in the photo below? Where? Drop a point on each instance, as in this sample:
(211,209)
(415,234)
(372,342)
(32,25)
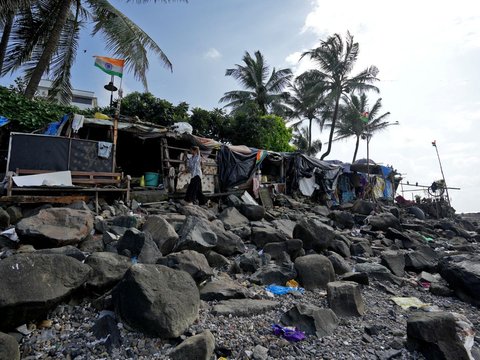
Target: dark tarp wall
(44,152)
(234,168)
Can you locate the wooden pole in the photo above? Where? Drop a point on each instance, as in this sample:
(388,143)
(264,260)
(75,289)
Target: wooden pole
(115,126)
(441,170)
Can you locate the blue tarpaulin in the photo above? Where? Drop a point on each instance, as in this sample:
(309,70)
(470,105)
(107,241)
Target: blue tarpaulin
(3,121)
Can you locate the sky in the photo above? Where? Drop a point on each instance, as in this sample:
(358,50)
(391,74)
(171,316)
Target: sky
(428,54)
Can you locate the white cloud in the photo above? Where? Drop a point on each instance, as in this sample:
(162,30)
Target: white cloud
(212,54)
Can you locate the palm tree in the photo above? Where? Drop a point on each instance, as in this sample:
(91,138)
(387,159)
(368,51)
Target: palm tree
(306,105)
(46,39)
(264,92)
(356,119)
(336,60)
(301,140)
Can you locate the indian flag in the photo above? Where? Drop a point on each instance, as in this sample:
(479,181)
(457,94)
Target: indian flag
(109,65)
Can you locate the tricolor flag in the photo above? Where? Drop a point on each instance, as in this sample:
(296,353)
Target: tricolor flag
(109,65)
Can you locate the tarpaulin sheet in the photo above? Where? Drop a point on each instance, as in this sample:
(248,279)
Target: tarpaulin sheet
(235,168)
(3,121)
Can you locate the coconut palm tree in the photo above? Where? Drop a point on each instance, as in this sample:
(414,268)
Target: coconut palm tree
(264,90)
(336,59)
(306,104)
(301,140)
(45,39)
(356,119)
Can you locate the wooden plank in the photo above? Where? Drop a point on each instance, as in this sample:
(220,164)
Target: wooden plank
(31,199)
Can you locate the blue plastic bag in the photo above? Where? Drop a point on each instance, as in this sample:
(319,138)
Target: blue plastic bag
(282,290)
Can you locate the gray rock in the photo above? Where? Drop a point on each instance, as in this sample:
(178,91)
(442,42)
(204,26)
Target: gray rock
(107,328)
(339,264)
(190,261)
(9,349)
(424,258)
(340,247)
(56,227)
(250,261)
(358,277)
(260,353)
(265,235)
(363,207)
(198,347)
(232,218)
(163,234)
(321,210)
(4,219)
(135,243)
(198,211)
(315,235)
(125,221)
(34,283)
(285,226)
(314,271)
(378,272)
(107,269)
(15,214)
(441,335)
(342,219)
(345,298)
(384,221)
(252,212)
(227,242)
(92,244)
(196,234)
(216,260)
(243,307)
(394,261)
(233,200)
(273,274)
(462,273)
(68,250)
(311,319)
(417,212)
(361,248)
(157,300)
(222,288)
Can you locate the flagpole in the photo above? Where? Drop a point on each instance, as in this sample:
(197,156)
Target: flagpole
(115,124)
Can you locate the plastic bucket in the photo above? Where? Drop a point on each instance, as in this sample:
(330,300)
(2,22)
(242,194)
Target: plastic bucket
(151,179)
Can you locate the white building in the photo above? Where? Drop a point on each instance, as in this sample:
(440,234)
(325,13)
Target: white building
(82,99)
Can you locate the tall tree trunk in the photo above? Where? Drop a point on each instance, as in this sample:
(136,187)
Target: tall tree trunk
(356,149)
(48,50)
(7,29)
(310,134)
(332,130)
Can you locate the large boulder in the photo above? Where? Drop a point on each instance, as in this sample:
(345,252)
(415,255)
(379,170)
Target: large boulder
(139,244)
(4,219)
(384,221)
(190,261)
(422,259)
(315,235)
(196,234)
(243,307)
(266,235)
(157,300)
(9,349)
(232,218)
(107,269)
(462,272)
(441,335)
(311,319)
(222,288)
(198,347)
(363,207)
(252,212)
(345,298)
(378,272)
(339,264)
(286,226)
(342,219)
(227,243)
(273,274)
(314,271)
(394,261)
(33,283)
(56,227)
(68,250)
(163,234)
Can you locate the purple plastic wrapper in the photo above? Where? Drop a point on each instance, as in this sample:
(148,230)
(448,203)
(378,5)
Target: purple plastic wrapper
(288,334)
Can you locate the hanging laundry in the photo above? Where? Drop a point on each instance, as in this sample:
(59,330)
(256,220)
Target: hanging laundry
(104,149)
(77,122)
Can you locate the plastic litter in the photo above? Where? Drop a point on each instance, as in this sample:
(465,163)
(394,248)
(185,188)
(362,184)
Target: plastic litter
(292,283)
(134,260)
(288,333)
(10,234)
(409,302)
(282,290)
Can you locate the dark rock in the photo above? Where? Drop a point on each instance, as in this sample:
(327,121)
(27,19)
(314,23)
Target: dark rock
(15,214)
(462,273)
(417,212)
(198,347)
(34,283)
(340,247)
(285,226)
(9,349)
(342,219)
(361,248)
(265,235)
(394,261)
(106,328)
(314,271)
(190,261)
(276,250)
(198,211)
(222,288)
(68,250)
(228,243)
(311,319)
(252,212)
(378,272)
(363,207)
(157,300)
(273,274)
(91,244)
(125,221)
(339,264)
(163,234)
(243,307)
(107,269)
(250,261)
(232,218)
(56,227)
(440,335)
(384,221)
(4,219)
(321,210)
(135,243)
(215,260)
(358,277)
(233,200)
(440,289)
(345,298)
(315,235)
(374,329)
(423,258)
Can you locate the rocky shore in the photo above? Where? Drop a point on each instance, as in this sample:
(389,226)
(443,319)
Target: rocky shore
(173,281)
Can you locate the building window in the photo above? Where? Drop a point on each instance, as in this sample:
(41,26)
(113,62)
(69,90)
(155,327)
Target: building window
(81,100)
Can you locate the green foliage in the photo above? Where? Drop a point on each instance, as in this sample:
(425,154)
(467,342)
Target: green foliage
(265,132)
(152,109)
(215,124)
(29,115)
